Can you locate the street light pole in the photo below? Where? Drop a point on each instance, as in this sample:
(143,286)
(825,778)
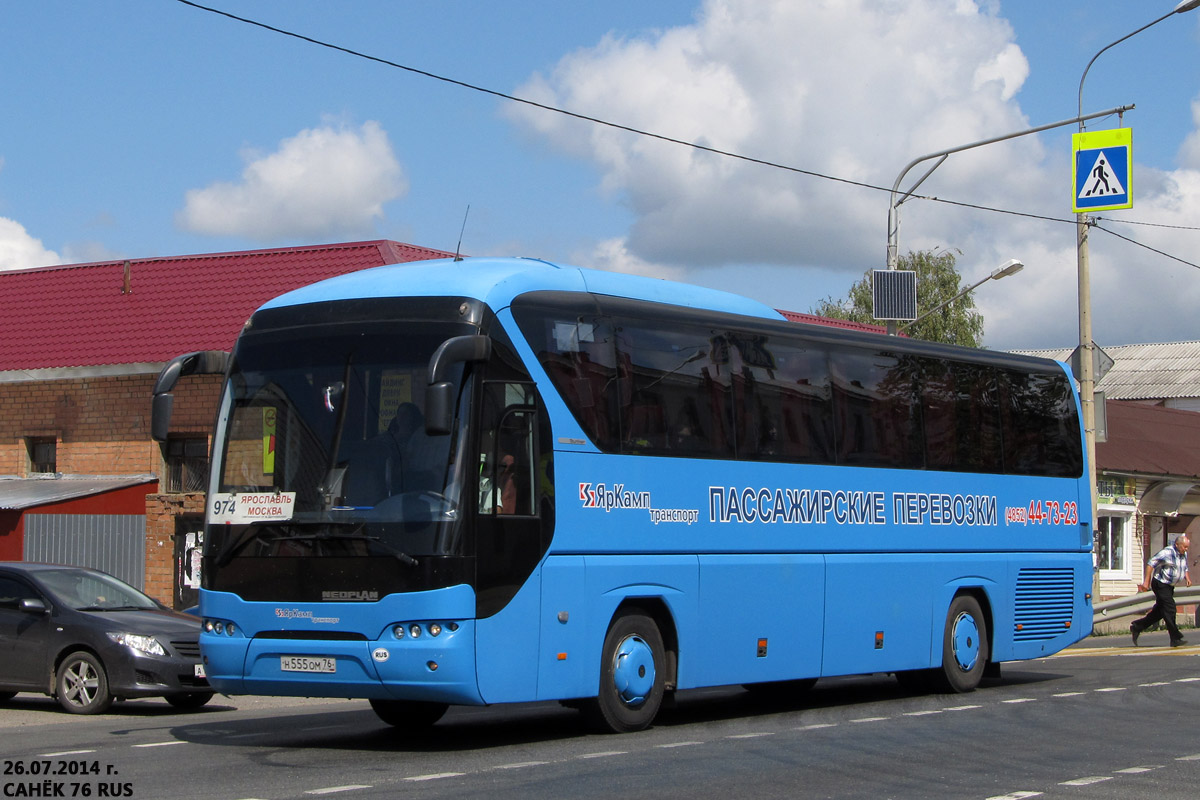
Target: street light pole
(1010,267)
(898,199)
(1087,374)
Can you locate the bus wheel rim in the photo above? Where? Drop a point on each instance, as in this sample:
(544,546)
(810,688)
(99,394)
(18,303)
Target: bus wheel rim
(633,670)
(965,641)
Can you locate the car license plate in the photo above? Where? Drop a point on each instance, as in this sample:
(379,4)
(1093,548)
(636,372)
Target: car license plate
(307,664)
(200,671)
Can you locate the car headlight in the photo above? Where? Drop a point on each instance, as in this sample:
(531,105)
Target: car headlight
(139,643)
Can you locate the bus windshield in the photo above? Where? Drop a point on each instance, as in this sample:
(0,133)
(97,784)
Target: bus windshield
(323,454)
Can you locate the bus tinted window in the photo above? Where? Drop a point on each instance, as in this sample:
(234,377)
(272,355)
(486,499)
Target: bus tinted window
(645,381)
(876,420)
(577,352)
(678,389)
(785,410)
(1039,424)
(960,410)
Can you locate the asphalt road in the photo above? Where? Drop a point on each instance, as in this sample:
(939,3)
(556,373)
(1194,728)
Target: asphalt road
(1102,720)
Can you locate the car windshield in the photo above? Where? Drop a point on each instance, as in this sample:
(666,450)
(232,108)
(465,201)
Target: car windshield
(84,590)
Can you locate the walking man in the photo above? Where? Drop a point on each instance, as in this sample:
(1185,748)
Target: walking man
(1168,567)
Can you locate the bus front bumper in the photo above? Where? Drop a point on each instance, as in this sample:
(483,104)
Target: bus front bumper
(433,668)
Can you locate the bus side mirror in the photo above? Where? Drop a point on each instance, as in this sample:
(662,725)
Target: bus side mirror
(439,393)
(204,362)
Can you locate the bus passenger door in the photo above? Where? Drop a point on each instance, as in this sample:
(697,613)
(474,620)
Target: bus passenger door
(510,539)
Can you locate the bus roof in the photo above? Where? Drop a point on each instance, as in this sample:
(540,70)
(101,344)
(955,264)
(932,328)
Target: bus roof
(496,281)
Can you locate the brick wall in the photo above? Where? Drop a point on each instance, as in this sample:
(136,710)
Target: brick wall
(161,511)
(102,427)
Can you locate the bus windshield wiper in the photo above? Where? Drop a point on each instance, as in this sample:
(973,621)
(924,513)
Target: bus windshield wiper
(354,536)
(231,547)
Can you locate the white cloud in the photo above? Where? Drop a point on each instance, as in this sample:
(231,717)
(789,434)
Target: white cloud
(801,84)
(325,181)
(1189,153)
(854,89)
(19,250)
(613,255)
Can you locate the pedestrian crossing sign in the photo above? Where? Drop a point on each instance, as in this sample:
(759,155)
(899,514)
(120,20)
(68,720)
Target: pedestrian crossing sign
(1102,170)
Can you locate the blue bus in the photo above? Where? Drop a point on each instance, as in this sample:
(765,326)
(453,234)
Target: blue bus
(507,480)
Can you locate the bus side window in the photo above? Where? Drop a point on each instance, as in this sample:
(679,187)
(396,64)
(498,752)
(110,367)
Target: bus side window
(507,480)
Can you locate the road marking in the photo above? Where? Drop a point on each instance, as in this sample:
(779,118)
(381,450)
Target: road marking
(870,719)
(1154,683)
(1087,781)
(353,787)
(160,744)
(523,764)
(67,753)
(1016,796)
(816,726)
(922,713)
(677,744)
(437,776)
(962,708)
(1196,757)
(1020,700)
(1111,689)
(606,754)
(749,735)
(1186,680)
(1069,694)
(1139,770)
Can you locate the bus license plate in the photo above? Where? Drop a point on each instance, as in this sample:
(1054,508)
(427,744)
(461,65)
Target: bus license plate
(200,671)
(307,664)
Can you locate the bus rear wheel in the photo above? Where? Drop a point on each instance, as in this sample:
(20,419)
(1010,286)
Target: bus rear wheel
(632,677)
(411,715)
(964,645)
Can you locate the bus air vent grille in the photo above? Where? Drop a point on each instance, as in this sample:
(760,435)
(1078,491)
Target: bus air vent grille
(1044,602)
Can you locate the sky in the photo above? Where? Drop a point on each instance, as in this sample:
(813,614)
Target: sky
(153,128)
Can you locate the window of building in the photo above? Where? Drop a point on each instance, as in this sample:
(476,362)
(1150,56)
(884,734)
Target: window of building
(1113,552)
(43,454)
(187,463)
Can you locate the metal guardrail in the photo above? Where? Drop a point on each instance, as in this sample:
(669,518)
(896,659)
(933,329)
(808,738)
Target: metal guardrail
(1140,603)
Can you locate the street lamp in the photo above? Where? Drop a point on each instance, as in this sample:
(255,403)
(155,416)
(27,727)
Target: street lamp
(1087,379)
(1010,267)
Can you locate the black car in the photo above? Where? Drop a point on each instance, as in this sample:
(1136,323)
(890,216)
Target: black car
(87,639)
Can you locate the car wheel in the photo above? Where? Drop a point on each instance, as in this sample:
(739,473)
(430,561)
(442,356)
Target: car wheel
(82,686)
(190,700)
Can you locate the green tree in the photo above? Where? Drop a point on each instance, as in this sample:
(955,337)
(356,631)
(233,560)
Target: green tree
(937,280)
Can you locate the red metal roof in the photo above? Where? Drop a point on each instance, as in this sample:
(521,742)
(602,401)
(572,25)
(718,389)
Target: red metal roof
(813,319)
(149,310)
(1150,440)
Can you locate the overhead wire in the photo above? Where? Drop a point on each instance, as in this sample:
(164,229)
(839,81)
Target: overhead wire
(670,139)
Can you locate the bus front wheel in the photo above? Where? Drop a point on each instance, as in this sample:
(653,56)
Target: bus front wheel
(964,645)
(632,679)
(412,715)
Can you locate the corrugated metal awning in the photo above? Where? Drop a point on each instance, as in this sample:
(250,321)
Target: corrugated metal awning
(17,494)
(1166,497)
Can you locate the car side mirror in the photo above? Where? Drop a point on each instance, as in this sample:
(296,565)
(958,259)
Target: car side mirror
(32,605)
